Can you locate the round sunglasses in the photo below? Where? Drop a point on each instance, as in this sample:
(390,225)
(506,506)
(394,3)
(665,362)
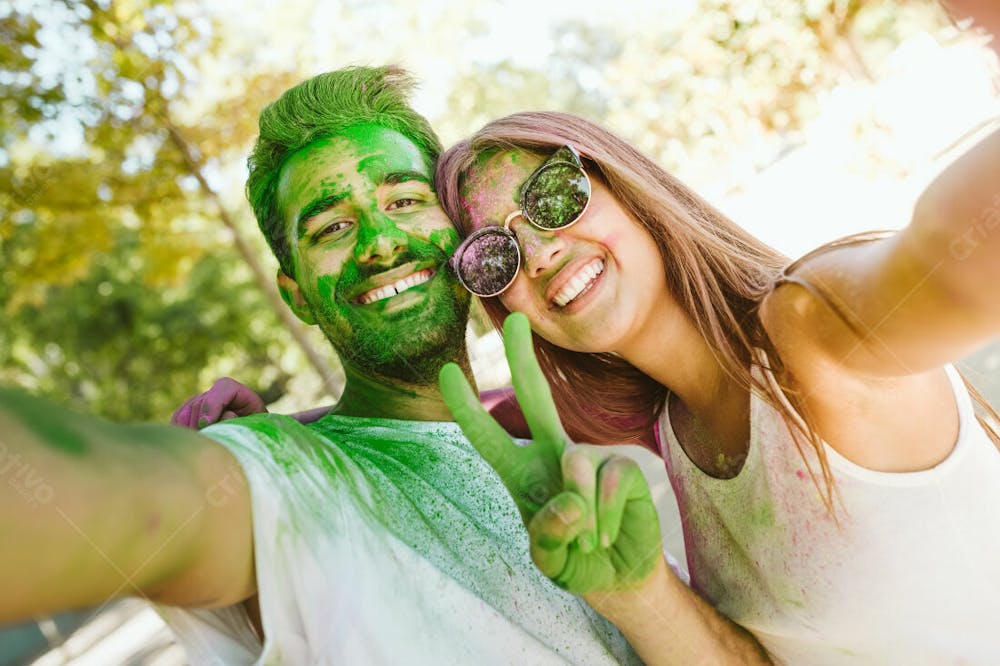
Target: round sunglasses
(553,197)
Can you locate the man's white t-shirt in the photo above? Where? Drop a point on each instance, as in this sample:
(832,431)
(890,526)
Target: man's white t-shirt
(385,542)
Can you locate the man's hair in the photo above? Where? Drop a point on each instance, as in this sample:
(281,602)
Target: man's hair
(322,107)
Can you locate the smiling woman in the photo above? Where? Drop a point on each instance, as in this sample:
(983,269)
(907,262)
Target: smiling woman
(588,248)
(781,396)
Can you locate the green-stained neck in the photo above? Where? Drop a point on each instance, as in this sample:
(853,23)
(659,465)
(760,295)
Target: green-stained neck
(372,396)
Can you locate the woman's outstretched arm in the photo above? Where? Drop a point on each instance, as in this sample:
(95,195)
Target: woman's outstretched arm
(865,328)
(923,297)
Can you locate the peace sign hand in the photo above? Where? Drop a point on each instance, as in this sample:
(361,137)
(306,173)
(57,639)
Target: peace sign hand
(590,516)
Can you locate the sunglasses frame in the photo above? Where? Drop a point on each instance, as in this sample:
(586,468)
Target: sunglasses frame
(558,158)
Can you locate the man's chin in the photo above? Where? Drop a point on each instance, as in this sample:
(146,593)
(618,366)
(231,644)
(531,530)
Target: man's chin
(413,358)
(407,337)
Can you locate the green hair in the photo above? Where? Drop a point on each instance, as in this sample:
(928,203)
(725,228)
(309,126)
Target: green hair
(322,107)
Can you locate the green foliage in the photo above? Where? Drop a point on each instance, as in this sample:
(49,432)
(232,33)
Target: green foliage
(119,293)
(103,163)
(116,343)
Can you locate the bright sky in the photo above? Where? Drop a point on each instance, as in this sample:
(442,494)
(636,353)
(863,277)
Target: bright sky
(515,30)
(873,148)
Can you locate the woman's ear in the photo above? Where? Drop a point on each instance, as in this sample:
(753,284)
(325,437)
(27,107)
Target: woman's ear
(292,296)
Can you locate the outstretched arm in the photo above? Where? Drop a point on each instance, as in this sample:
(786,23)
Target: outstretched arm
(985,14)
(91,510)
(864,334)
(923,297)
(591,521)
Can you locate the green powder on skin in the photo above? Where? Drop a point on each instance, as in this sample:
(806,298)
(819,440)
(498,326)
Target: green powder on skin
(446,239)
(728,466)
(492,188)
(35,415)
(404,342)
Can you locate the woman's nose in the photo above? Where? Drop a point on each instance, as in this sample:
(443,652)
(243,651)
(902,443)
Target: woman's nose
(542,249)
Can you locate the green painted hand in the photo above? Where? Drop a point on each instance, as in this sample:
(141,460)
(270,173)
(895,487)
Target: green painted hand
(590,516)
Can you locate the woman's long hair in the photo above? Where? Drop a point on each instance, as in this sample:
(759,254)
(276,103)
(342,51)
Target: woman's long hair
(717,272)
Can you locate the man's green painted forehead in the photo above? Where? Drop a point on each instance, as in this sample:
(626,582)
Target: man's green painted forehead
(374,150)
(386,149)
(326,168)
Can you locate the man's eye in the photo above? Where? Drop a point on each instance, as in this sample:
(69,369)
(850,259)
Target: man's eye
(403,202)
(331,229)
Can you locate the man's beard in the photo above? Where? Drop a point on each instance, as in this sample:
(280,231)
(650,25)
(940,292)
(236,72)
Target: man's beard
(408,346)
(414,355)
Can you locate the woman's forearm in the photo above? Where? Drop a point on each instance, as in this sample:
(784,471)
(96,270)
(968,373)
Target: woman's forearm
(668,623)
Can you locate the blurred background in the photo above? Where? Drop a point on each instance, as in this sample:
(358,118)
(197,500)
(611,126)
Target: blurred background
(131,271)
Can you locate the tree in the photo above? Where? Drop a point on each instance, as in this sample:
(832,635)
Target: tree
(714,94)
(120,201)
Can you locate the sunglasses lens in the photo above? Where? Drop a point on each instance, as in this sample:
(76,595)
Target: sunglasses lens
(557,196)
(489,263)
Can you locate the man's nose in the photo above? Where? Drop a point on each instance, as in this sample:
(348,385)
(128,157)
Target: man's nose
(542,249)
(379,240)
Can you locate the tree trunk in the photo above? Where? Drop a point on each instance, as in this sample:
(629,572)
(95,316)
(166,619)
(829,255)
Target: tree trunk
(261,277)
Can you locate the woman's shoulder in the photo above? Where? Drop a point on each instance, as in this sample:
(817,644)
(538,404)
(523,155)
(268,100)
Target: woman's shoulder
(888,423)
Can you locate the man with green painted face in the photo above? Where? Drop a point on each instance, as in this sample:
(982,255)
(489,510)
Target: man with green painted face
(374,535)
(367,243)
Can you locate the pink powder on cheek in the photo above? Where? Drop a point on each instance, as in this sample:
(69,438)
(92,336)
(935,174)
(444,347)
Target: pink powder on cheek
(610,243)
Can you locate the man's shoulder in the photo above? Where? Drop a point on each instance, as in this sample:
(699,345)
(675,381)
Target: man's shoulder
(340,423)
(431,448)
(262,425)
(272,437)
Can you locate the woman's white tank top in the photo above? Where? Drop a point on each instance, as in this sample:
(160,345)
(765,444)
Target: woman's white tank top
(911,575)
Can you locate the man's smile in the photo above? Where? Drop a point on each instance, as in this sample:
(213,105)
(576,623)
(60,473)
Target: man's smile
(390,283)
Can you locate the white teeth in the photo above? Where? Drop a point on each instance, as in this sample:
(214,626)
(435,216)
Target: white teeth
(397,287)
(579,283)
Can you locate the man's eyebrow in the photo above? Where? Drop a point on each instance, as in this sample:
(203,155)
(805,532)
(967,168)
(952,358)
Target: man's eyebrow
(316,207)
(396,177)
